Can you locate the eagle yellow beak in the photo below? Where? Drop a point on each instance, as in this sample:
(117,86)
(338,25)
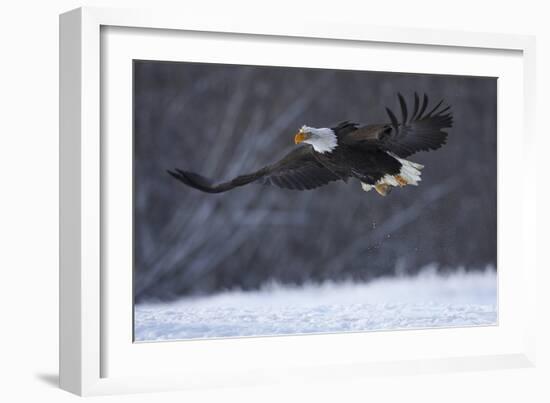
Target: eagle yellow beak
(300,137)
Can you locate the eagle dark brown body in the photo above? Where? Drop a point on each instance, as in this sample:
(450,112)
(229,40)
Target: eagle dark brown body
(347,161)
(374,154)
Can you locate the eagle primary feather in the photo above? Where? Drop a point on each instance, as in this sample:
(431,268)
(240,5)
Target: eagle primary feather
(423,132)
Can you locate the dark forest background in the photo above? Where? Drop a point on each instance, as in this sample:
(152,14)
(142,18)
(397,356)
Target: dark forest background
(224,120)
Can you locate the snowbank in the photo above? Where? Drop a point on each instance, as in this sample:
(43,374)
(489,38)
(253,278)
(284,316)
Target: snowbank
(426,300)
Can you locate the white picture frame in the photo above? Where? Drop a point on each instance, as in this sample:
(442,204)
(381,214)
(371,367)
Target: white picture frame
(87,312)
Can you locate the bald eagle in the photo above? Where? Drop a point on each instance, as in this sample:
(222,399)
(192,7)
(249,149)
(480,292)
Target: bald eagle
(374,154)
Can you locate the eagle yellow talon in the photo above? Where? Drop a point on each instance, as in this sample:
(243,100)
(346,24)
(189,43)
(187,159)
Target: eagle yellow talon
(382,189)
(402,181)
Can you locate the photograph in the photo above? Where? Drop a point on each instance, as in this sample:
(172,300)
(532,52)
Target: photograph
(276,201)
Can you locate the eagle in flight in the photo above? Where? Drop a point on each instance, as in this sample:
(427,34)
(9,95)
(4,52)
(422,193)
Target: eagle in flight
(374,154)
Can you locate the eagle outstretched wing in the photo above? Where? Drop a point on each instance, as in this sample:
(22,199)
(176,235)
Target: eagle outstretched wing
(419,131)
(298,170)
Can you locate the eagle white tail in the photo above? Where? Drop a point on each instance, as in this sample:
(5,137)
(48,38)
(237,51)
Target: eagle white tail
(408,175)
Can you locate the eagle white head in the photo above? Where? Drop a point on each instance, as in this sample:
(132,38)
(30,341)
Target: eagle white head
(323,139)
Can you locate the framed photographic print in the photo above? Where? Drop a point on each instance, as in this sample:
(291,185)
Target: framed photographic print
(220,185)
(299,245)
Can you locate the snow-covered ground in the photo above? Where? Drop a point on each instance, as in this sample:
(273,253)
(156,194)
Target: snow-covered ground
(426,300)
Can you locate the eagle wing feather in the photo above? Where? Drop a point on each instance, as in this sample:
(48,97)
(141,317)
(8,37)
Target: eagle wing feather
(298,170)
(418,131)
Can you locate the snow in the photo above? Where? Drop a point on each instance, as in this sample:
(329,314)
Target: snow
(423,301)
